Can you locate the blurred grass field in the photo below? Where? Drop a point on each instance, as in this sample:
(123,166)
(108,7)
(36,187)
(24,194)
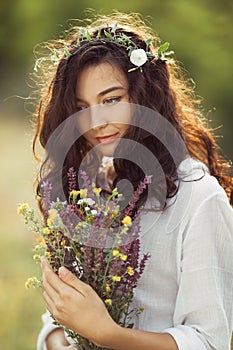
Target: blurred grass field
(20,309)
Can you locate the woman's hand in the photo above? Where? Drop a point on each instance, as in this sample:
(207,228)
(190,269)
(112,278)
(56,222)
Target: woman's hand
(75,305)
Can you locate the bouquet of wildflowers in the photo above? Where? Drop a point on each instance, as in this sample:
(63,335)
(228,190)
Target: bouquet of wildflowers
(90,236)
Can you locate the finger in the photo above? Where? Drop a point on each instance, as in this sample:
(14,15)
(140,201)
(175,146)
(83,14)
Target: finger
(50,278)
(70,279)
(49,302)
(49,290)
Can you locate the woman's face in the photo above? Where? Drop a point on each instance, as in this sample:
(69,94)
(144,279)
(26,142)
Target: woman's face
(104,119)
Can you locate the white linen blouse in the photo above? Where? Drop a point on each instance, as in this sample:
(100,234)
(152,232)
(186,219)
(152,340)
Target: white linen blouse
(187,286)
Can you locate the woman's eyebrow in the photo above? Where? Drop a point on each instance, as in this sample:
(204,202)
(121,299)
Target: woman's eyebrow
(104,92)
(110,89)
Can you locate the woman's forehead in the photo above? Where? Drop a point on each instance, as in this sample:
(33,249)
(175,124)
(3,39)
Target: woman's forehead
(100,78)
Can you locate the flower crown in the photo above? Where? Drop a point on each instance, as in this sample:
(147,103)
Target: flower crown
(138,57)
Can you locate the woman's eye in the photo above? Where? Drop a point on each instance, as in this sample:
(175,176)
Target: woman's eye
(112,100)
(81,108)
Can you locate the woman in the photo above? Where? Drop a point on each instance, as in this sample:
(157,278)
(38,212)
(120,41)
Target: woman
(129,94)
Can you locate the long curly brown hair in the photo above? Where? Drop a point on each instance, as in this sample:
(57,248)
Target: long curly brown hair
(162,87)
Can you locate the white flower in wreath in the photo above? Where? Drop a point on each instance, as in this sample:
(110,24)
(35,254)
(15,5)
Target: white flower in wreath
(138,57)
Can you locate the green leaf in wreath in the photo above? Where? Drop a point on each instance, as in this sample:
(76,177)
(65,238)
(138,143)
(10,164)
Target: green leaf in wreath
(162,49)
(67,52)
(107,34)
(88,36)
(148,42)
(99,33)
(82,32)
(113,30)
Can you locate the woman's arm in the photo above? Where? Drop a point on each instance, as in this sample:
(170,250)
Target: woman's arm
(52,337)
(133,339)
(56,341)
(203,308)
(75,304)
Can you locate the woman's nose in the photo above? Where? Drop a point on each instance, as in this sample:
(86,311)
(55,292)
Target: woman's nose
(98,118)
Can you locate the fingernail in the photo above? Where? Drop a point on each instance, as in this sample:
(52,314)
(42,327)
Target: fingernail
(63,271)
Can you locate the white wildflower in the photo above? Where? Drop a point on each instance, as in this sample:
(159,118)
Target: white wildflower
(138,57)
(87,201)
(94,212)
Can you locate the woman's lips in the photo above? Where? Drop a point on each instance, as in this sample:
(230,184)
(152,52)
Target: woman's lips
(108,138)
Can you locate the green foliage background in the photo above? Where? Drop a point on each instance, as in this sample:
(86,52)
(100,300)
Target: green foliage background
(200,33)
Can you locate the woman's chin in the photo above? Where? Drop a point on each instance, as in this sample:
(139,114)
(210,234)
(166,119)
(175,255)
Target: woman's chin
(107,149)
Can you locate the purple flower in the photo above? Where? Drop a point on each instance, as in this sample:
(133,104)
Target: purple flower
(136,196)
(46,189)
(70,218)
(143,263)
(72,179)
(86,183)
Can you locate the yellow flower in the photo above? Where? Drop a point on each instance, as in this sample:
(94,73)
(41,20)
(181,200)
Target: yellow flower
(125,230)
(36,258)
(37,248)
(49,222)
(123,257)
(52,214)
(74,193)
(97,191)
(27,284)
(41,241)
(22,208)
(115,191)
(79,225)
(107,288)
(47,255)
(83,192)
(108,301)
(127,221)
(78,254)
(32,282)
(46,230)
(116,278)
(130,270)
(115,252)
(63,243)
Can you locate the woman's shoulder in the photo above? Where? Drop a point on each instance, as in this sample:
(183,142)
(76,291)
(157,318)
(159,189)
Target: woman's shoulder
(198,189)
(198,192)
(195,181)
